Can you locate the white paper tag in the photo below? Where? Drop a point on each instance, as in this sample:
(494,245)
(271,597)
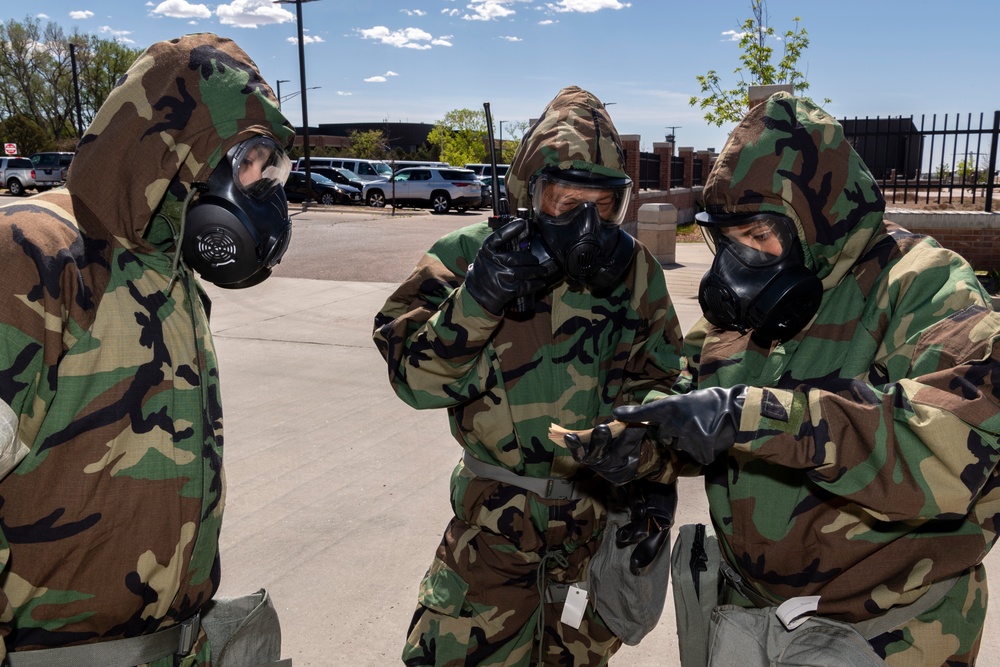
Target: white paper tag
(795,611)
(576,604)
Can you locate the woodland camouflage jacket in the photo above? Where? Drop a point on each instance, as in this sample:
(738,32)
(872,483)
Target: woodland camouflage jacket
(866,464)
(108,381)
(505,380)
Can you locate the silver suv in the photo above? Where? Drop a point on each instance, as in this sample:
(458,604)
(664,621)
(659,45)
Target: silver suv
(428,187)
(51,169)
(17,174)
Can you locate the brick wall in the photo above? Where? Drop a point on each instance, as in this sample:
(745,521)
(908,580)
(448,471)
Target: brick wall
(973,234)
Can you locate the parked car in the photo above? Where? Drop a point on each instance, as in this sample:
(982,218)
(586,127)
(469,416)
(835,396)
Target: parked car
(489,184)
(17,174)
(367,170)
(51,169)
(342,176)
(486,170)
(323,189)
(437,188)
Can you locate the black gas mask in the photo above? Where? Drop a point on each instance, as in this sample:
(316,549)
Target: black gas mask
(579,215)
(758,280)
(237,229)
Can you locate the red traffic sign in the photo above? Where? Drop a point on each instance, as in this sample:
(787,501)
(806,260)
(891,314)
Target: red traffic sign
(10,149)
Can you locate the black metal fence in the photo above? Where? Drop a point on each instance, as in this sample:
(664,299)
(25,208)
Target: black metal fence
(649,172)
(951,160)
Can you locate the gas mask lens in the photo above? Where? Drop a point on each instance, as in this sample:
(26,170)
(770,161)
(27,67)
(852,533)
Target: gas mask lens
(559,201)
(756,240)
(260,167)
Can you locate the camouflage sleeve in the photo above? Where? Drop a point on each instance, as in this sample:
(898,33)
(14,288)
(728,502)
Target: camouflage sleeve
(654,366)
(920,437)
(432,333)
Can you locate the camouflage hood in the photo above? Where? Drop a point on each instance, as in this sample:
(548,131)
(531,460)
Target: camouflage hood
(788,156)
(573,132)
(167,123)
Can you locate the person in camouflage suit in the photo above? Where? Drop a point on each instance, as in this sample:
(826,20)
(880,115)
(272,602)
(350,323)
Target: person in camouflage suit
(110,415)
(452,341)
(851,454)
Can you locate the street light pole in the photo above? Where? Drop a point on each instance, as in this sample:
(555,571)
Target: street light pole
(279,82)
(302,87)
(501,140)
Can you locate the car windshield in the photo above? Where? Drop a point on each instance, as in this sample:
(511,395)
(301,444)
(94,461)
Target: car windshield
(320,178)
(348,173)
(382,169)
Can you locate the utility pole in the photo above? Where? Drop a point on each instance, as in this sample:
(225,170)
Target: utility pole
(302,87)
(670,137)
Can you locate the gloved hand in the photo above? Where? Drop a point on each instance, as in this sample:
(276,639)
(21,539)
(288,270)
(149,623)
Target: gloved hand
(702,423)
(500,274)
(614,459)
(651,514)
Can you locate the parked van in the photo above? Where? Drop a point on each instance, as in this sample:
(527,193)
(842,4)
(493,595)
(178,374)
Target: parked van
(367,170)
(485,171)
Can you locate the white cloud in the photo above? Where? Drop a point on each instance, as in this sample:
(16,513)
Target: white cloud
(381,78)
(733,36)
(181,9)
(546,22)
(441,41)
(252,13)
(85,14)
(511,38)
(587,6)
(344,93)
(306,39)
(44,17)
(487,10)
(414,12)
(450,12)
(407,38)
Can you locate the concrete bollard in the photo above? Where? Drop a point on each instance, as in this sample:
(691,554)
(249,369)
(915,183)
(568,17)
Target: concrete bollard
(657,230)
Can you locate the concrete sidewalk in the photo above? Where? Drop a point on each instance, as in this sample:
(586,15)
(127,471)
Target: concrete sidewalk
(337,490)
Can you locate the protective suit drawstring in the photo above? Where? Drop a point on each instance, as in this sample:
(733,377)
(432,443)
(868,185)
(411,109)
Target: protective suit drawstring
(178,239)
(542,580)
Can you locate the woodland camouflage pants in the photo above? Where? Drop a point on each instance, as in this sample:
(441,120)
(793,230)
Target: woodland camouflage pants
(479,602)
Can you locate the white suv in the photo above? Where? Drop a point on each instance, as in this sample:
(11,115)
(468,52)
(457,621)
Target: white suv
(434,187)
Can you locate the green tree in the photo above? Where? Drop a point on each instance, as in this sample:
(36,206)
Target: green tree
(24,132)
(370,145)
(37,71)
(756,68)
(461,135)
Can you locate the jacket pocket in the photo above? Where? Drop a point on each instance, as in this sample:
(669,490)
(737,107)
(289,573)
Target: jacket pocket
(443,590)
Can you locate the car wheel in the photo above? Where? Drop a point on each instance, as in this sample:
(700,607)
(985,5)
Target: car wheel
(327,199)
(15,187)
(376,198)
(440,202)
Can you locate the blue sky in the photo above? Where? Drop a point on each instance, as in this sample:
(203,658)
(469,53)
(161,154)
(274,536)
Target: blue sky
(415,60)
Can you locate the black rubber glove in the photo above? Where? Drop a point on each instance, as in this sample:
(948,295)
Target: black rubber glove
(702,423)
(651,514)
(500,274)
(614,459)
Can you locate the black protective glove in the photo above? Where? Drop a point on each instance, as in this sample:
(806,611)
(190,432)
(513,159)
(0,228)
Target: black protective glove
(702,423)
(614,459)
(500,273)
(651,514)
